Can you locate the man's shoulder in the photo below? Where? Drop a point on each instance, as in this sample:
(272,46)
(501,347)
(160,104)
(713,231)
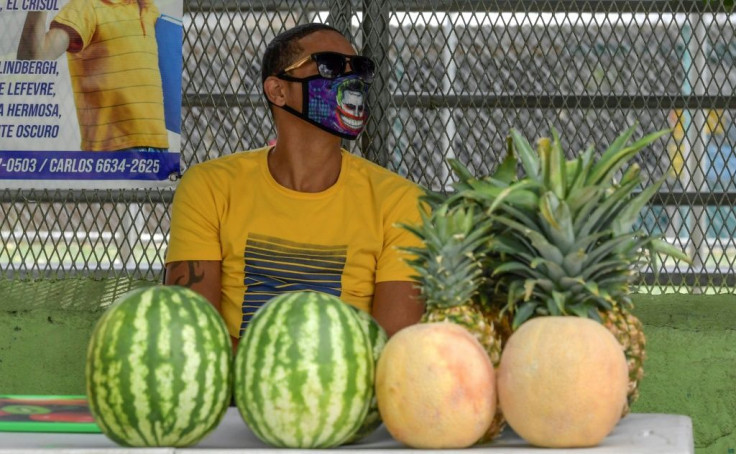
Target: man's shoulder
(397,196)
(379,174)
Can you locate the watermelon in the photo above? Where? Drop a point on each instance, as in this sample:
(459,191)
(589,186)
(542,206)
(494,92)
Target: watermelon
(159,368)
(377,337)
(304,372)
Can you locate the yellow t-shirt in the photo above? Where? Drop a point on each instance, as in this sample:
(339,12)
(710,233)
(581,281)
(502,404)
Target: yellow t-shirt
(115,75)
(272,240)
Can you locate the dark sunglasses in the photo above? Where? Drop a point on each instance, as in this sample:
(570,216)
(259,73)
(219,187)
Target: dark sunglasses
(332,65)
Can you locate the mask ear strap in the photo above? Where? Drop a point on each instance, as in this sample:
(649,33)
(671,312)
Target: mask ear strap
(305,100)
(305,95)
(294,112)
(289,78)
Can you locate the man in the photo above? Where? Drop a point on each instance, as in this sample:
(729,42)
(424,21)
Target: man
(113,64)
(304,214)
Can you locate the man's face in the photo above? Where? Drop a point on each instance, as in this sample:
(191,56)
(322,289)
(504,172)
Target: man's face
(320,41)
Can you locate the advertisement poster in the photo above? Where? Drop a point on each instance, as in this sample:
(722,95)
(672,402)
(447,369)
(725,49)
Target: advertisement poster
(90,93)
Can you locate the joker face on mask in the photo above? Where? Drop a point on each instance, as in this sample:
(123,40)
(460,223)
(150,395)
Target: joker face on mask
(351,111)
(337,103)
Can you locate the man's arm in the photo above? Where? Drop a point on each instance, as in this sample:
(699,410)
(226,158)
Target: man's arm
(396,304)
(202,276)
(38,44)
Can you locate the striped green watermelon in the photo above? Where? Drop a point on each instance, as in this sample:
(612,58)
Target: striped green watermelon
(304,372)
(158,369)
(377,338)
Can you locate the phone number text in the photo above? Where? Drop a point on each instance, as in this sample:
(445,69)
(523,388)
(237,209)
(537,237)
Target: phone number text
(84,165)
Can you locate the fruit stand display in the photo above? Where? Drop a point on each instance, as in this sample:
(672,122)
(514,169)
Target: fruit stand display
(528,340)
(452,380)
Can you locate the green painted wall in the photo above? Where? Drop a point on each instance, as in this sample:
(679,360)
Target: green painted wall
(691,365)
(44,329)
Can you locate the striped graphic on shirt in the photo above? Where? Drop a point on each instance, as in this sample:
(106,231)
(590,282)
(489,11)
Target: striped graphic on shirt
(274,266)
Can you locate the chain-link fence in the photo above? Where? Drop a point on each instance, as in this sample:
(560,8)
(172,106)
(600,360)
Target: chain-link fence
(454,78)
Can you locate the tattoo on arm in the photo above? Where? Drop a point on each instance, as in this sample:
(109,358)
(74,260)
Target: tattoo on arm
(190,277)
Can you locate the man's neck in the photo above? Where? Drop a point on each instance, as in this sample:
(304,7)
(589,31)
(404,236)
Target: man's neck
(305,164)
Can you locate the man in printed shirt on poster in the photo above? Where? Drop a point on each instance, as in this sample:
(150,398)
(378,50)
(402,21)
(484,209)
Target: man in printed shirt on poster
(113,64)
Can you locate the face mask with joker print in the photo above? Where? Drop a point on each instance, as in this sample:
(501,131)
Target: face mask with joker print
(335,105)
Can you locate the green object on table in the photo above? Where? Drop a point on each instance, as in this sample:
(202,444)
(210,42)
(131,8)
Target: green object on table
(46,413)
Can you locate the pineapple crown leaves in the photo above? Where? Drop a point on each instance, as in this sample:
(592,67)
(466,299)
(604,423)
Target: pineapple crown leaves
(519,257)
(577,240)
(506,171)
(504,175)
(556,220)
(528,298)
(455,232)
(618,154)
(491,191)
(600,212)
(432,199)
(447,268)
(502,185)
(534,302)
(547,164)
(591,194)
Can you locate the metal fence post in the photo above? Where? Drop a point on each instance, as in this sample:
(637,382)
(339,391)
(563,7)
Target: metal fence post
(696,138)
(449,51)
(376,41)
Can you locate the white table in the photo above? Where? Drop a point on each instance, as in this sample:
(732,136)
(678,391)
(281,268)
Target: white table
(637,433)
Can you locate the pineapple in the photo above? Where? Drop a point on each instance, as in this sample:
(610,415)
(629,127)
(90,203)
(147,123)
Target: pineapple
(563,245)
(449,275)
(630,334)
